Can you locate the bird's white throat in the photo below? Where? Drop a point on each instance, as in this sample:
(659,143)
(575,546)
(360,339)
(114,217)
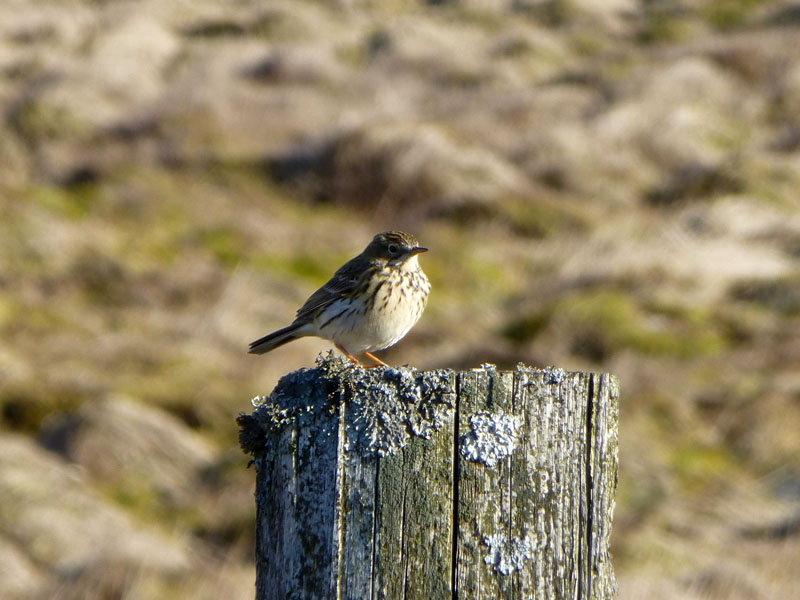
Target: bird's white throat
(410,265)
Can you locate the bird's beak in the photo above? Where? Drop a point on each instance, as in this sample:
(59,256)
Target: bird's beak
(418,250)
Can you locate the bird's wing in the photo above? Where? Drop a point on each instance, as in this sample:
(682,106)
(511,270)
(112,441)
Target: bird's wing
(343,282)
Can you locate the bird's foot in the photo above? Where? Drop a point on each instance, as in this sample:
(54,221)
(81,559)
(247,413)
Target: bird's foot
(379,362)
(352,358)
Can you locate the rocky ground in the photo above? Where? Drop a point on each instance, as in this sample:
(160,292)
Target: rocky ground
(603,185)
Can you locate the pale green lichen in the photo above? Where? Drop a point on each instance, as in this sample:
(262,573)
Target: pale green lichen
(384,407)
(509,555)
(551,374)
(492,437)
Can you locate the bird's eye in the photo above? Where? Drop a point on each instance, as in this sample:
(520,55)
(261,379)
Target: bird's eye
(393,249)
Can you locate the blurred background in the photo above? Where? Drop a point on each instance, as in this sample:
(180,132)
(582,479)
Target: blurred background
(606,185)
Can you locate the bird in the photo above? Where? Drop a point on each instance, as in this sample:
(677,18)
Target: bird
(370,303)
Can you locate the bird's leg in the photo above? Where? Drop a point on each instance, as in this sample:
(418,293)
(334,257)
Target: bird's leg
(344,351)
(376,359)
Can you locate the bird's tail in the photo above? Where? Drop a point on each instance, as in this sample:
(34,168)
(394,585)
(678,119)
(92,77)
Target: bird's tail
(277,338)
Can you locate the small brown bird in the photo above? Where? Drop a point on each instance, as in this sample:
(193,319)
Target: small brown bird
(369,304)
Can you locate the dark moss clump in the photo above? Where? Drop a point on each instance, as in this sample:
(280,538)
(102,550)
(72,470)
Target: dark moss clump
(779,295)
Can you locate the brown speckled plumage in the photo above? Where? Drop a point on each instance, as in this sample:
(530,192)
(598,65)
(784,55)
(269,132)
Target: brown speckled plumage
(369,304)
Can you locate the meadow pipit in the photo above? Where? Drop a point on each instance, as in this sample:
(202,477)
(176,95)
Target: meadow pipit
(369,304)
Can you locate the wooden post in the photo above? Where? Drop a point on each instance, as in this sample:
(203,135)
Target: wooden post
(397,483)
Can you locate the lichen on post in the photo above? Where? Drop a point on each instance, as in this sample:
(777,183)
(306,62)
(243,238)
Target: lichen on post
(397,483)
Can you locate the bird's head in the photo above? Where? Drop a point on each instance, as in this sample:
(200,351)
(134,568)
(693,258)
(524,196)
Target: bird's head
(395,247)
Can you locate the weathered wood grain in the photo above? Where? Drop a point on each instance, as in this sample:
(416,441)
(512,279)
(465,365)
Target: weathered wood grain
(394,483)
